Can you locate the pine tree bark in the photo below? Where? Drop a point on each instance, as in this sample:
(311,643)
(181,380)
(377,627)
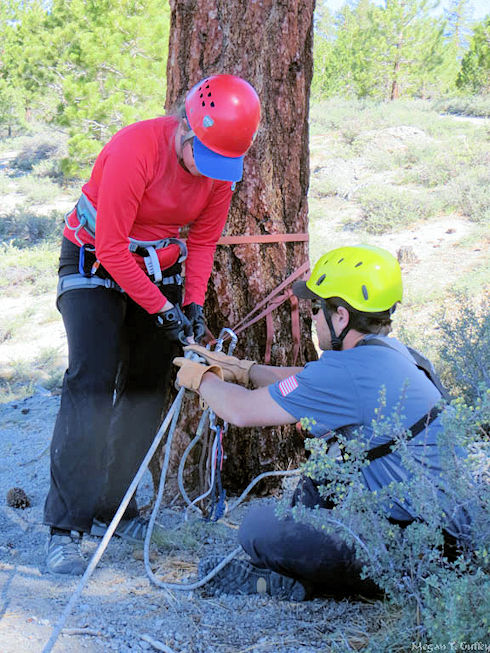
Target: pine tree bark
(269,43)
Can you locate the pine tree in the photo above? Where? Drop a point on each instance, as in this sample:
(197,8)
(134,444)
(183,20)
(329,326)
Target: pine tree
(112,72)
(474,75)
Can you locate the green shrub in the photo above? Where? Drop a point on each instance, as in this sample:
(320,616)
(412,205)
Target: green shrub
(470,105)
(387,208)
(441,599)
(465,346)
(25,228)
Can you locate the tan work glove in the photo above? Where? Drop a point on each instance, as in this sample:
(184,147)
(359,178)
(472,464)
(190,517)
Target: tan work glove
(234,369)
(191,373)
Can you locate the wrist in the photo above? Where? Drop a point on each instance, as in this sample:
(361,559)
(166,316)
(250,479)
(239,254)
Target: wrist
(166,307)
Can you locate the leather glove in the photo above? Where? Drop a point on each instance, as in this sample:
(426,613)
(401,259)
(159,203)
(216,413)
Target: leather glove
(191,373)
(234,369)
(175,325)
(194,313)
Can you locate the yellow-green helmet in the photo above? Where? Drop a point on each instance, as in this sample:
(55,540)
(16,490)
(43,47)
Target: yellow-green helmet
(366,277)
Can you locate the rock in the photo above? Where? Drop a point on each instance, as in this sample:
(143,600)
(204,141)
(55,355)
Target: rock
(406,254)
(17,498)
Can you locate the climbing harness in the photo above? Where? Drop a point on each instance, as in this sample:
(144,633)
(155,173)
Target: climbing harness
(147,249)
(426,366)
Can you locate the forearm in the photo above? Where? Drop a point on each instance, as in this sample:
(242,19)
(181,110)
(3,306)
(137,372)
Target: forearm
(262,375)
(240,406)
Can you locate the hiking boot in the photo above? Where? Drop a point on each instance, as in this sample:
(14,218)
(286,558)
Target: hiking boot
(242,577)
(132,530)
(64,555)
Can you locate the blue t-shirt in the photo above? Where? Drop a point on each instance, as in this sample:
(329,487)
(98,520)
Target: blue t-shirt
(343,389)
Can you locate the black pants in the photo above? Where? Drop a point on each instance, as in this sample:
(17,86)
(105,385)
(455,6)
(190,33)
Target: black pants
(114,392)
(324,562)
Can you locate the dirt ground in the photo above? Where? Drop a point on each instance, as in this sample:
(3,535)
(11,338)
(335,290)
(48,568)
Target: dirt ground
(120,609)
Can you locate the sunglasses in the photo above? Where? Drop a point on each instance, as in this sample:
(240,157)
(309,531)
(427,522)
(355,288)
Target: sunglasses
(316,306)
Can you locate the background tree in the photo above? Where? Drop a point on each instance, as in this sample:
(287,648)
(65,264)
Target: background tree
(112,73)
(91,66)
(474,75)
(383,51)
(23,48)
(270,44)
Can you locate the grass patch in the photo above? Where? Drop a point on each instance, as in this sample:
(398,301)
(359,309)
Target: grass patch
(5,184)
(21,376)
(389,208)
(471,105)
(10,326)
(23,228)
(35,192)
(33,268)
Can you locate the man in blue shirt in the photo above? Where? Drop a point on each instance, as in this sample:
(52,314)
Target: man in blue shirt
(353,291)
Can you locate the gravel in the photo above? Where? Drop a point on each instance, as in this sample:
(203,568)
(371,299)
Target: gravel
(119,609)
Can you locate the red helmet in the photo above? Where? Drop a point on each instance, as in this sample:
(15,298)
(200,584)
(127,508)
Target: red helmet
(223,111)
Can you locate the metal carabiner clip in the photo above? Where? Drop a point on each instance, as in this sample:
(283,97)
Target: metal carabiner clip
(220,340)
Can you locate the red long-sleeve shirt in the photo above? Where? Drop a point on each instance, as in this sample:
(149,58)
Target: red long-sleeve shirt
(141,191)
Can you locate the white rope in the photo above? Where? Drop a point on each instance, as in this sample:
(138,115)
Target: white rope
(291,472)
(183,460)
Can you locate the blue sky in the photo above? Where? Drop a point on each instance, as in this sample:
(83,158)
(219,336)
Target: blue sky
(480,7)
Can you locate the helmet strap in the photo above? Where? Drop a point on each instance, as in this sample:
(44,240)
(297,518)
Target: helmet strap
(184,137)
(336,340)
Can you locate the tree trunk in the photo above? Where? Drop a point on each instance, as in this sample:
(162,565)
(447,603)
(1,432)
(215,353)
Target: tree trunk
(270,44)
(395,90)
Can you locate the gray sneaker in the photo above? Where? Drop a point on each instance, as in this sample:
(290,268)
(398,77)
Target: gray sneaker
(64,555)
(132,530)
(241,577)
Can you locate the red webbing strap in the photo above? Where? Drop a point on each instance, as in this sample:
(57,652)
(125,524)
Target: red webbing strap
(275,300)
(269,329)
(292,277)
(265,238)
(295,326)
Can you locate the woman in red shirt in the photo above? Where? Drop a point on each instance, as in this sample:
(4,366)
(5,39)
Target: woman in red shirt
(120,295)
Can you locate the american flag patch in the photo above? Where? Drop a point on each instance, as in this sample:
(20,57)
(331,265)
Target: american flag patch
(288,385)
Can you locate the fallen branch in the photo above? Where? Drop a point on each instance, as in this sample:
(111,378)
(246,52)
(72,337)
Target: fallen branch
(81,631)
(158,646)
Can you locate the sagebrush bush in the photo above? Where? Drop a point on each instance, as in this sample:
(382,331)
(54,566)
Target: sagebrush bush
(23,228)
(464,353)
(470,193)
(35,150)
(469,105)
(389,208)
(442,598)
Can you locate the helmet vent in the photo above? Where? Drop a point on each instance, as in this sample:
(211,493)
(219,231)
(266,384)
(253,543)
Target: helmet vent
(321,279)
(365,293)
(340,260)
(358,264)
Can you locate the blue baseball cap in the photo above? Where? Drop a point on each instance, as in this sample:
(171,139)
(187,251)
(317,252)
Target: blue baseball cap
(216,166)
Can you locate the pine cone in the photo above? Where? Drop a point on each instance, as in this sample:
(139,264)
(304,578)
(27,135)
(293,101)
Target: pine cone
(17,498)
